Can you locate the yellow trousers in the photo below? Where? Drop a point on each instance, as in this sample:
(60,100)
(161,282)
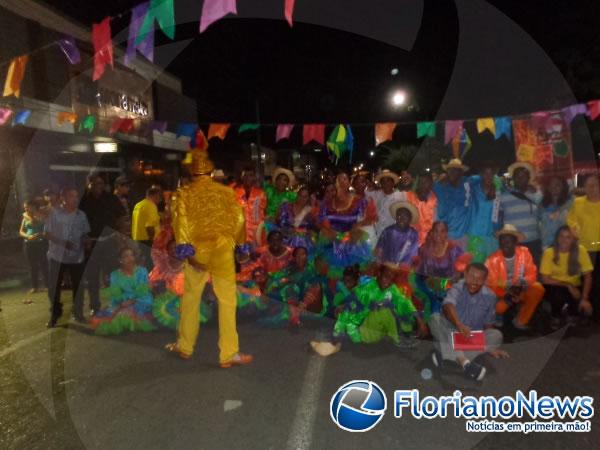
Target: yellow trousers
(219,261)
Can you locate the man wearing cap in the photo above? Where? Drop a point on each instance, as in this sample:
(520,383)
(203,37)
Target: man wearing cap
(208,222)
(519,207)
(513,277)
(399,243)
(253,201)
(453,195)
(121,191)
(384,198)
(277,193)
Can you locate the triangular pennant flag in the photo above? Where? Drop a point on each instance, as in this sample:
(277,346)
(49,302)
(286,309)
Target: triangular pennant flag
(15,75)
(426,129)
(336,143)
(213,10)
(313,132)
(88,123)
(64,116)
(103,51)
(349,142)
(540,120)
(69,48)
(570,112)
(186,129)
(122,125)
(486,123)
(593,109)
(200,141)
(163,12)
(5,114)
(283,131)
(384,132)
(218,130)
(21,117)
(146,44)
(248,127)
(289,11)
(461,144)
(453,129)
(503,127)
(158,125)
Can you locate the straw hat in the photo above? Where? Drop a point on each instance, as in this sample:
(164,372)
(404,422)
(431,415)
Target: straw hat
(455,164)
(201,163)
(510,230)
(218,174)
(521,165)
(281,171)
(413,211)
(387,174)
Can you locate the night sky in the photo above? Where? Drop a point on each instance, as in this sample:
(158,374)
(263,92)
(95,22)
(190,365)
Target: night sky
(315,73)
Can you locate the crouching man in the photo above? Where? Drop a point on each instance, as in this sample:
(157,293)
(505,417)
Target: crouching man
(468,306)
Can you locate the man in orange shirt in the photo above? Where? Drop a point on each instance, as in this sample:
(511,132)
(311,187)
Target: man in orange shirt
(425,201)
(513,277)
(253,201)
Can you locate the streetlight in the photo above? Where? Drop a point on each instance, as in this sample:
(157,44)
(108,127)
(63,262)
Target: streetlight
(398,98)
(372,153)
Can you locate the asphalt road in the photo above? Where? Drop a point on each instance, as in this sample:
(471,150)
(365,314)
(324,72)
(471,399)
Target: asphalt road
(66,388)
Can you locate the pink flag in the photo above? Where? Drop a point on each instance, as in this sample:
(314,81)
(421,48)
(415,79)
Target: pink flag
(594,109)
(283,131)
(453,127)
(5,114)
(289,11)
(213,10)
(314,132)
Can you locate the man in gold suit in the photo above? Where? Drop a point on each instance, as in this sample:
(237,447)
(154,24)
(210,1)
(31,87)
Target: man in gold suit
(208,223)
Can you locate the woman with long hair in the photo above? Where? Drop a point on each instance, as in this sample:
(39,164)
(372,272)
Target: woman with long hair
(556,203)
(296,221)
(563,267)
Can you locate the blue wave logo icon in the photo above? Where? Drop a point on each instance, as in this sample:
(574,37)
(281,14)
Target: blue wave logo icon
(358,406)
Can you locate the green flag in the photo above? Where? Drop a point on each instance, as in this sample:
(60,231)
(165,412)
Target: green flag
(337,142)
(88,123)
(248,127)
(425,129)
(162,11)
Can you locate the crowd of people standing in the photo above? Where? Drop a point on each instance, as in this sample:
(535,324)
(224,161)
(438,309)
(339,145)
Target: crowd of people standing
(382,255)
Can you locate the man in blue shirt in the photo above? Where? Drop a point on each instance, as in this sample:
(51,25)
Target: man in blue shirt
(453,200)
(468,306)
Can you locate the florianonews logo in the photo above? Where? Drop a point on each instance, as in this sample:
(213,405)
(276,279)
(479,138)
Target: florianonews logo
(358,406)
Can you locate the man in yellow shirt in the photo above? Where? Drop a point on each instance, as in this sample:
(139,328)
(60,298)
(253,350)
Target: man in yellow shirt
(584,220)
(208,223)
(145,223)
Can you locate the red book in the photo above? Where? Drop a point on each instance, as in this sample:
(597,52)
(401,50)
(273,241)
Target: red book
(476,342)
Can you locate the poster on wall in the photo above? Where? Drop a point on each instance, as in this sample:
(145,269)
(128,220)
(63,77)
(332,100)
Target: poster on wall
(544,141)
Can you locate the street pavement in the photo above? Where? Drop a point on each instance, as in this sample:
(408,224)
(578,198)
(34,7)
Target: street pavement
(66,388)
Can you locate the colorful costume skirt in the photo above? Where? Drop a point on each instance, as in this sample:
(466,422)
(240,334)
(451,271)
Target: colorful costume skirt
(166,310)
(128,316)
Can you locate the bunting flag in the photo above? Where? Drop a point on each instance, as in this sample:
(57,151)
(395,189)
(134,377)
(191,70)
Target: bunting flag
(593,109)
(453,129)
(88,123)
(69,48)
(426,129)
(64,116)
(122,125)
(218,130)
(570,112)
(289,11)
(103,51)
(283,131)
(503,127)
(187,130)
(349,142)
(146,44)
(336,143)
(213,10)
(313,132)
(162,11)
(248,127)
(200,141)
(540,119)
(5,114)
(15,75)
(461,144)
(384,132)
(486,123)
(158,125)
(21,117)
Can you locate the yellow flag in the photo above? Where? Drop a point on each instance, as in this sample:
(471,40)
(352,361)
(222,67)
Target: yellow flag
(16,72)
(486,123)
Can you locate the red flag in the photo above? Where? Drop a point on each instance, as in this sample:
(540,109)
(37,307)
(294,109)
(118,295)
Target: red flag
(122,125)
(384,132)
(201,142)
(289,11)
(103,51)
(314,132)
(594,109)
(218,130)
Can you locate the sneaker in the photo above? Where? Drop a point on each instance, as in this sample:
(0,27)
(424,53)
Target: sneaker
(474,371)
(240,359)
